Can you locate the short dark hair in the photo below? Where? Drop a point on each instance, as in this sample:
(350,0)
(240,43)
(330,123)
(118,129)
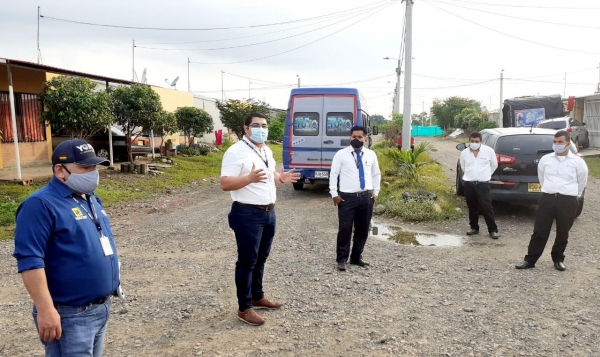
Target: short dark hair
(254,115)
(563,133)
(475,135)
(358,128)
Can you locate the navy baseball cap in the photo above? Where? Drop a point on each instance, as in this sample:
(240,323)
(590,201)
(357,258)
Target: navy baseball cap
(78,152)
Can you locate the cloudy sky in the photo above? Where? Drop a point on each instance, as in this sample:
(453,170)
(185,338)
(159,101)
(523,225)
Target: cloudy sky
(459,46)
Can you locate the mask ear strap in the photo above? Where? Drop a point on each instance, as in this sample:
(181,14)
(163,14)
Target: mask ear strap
(64,167)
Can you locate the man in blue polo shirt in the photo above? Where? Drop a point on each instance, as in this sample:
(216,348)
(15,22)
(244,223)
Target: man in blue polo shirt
(66,254)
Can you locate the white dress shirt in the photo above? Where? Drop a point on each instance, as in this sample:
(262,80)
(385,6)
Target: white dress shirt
(344,167)
(238,161)
(478,168)
(566,175)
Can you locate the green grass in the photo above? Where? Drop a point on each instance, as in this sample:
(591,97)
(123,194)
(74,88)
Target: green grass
(593,164)
(432,179)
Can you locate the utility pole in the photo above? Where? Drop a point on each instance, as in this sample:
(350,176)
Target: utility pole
(598,90)
(406,123)
(398,87)
(13,116)
(565,90)
(298,80)
(222,91)
(133,61)
(501,122)
(189,84)
(39,53)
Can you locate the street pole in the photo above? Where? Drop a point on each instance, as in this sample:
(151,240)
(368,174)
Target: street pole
(406,123)
(298,80)
(13,116)
(189,85)
(598,90)
(501,122)
(133,61)
(222,91)
(39,53)
(398,87)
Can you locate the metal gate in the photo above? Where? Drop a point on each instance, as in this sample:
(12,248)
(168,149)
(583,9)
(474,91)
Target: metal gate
(591,118)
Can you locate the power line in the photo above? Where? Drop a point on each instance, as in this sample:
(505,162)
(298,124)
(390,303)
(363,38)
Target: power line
(198,29)
(253,79)
(299,47)
(563,73)
(257,43)
(506,34)
(249,36)
(527,80)
(519,18)
(461,85)
(529,6)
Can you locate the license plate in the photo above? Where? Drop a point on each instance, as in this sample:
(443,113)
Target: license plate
(534,187)
(322,174)
(140,142)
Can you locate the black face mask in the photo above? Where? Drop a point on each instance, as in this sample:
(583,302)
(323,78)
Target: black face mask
(357,144)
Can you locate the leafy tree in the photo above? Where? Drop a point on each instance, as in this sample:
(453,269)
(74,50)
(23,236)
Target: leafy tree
(276,130)
(469,118)
(392,129)
(165,125)
(193,122)
(74,105)
(446,110)
(135,107)
(487,125)
(281,117)
(420,119)
(234,112)
(377,119)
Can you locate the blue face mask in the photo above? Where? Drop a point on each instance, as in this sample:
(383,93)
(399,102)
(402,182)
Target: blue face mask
(259,135)
(83,183)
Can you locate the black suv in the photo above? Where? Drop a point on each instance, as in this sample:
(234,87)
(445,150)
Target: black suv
(518,151)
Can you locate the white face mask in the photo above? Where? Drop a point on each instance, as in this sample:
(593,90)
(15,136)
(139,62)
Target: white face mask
(474,146)
(558,148)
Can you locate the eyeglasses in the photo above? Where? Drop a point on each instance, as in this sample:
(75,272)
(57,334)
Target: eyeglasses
(264,126)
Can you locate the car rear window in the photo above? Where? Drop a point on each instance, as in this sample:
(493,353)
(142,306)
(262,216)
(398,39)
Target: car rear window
(524,144)
(559,124)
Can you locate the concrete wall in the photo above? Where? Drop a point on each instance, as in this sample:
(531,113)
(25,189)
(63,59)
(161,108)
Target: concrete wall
(210,106)
(171,100)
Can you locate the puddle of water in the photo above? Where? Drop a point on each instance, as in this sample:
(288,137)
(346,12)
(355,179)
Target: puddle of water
(396,234)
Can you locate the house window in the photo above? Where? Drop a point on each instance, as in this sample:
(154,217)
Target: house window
(27,110)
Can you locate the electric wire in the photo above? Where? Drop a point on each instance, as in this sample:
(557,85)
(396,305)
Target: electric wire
(197,29)
(299,47)
(509,35)
(529,6)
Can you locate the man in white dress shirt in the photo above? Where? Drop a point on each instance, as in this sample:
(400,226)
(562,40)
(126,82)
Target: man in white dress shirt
(248,172)
(357,169)
(563,176)
(478,162)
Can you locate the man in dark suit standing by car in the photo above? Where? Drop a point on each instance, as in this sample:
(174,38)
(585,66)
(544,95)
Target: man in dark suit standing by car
(478,162)
(563,177)
(359,181)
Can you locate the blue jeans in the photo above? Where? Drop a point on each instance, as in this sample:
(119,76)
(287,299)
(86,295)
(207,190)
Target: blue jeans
(83,329)
(254,231)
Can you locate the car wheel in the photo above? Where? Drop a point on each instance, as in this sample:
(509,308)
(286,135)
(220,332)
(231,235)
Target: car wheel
(577,143)
(580,205)
(103,153)
(298,186)
(586,143)
(460,189)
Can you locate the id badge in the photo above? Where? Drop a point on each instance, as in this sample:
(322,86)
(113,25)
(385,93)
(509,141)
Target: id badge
(105,242)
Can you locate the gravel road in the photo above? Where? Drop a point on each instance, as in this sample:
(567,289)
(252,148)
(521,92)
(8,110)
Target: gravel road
(178,259)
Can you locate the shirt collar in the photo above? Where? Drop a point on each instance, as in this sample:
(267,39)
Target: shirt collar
(60,186)
(252,144)
(569,155)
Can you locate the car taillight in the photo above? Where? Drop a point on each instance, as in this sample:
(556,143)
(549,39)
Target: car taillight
(569,130)
(505,159)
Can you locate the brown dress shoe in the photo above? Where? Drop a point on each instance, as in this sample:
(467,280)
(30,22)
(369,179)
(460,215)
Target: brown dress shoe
(265,303)
(250,317)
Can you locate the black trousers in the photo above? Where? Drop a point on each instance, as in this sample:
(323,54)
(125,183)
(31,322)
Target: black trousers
(355,211)
(479,201)
(552,207)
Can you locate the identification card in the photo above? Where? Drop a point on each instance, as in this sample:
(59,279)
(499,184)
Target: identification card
(105,242)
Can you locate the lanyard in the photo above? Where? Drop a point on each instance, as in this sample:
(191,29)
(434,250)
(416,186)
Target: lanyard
(265,160)
(94,216)
(356,160)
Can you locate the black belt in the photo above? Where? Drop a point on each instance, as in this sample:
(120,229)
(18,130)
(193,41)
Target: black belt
(476,182)
(558,195)
(99,301)
(263,207)
(357,194)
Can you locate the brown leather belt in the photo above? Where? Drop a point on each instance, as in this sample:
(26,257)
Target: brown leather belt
(262,207)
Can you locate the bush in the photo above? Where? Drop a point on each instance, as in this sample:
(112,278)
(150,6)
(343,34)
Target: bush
(487,125)
(276,130)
